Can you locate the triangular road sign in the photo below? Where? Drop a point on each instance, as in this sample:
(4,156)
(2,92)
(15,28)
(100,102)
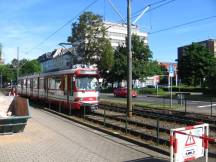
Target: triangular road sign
(190,140)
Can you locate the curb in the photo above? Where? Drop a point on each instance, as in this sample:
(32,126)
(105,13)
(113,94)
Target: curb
(106,131)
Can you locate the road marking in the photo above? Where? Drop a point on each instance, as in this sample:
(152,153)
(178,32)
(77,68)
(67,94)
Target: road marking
(196,101)
(206,106)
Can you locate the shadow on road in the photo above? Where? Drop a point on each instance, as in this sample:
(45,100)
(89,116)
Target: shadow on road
(148,159)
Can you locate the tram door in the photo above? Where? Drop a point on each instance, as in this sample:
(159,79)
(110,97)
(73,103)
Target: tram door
(70,87)
(46,87)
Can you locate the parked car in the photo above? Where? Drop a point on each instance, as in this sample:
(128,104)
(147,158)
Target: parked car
(122,92)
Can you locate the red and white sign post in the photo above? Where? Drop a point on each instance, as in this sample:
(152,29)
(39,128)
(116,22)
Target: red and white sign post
(189,143)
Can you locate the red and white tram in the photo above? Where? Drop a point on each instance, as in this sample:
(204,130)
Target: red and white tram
(72,88)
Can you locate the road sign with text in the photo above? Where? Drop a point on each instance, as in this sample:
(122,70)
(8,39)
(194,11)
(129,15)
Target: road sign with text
(171,70)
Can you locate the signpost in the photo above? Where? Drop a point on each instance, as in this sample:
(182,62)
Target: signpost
(189,143)
(171,75)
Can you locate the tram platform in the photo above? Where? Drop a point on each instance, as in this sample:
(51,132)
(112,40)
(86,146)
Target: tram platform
(48,137)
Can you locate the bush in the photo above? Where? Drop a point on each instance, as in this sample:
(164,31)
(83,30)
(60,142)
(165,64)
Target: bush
(106,90)
(150,91)
(191,89)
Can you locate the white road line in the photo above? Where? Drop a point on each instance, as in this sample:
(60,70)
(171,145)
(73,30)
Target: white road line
(206,105)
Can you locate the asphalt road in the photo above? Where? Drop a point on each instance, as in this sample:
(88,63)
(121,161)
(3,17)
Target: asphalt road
(202,107)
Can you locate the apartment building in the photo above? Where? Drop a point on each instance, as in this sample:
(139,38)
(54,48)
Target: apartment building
(117,32)
(210,44)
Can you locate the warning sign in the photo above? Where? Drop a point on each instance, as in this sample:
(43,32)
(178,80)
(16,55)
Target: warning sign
(190,140)
(189,146)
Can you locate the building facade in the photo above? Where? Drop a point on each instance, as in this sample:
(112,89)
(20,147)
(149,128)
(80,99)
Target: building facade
(117,33)
(59,59)
(210,44)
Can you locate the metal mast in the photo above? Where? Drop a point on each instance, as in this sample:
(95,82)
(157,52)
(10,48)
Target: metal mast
(129,61)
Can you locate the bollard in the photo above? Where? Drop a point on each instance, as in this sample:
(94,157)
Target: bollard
(185,105)
(158,129)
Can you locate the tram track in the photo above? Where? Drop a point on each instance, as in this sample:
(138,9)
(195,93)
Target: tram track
(172,116)
(145,129)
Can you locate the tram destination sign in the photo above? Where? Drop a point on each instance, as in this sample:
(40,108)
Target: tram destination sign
(90,72)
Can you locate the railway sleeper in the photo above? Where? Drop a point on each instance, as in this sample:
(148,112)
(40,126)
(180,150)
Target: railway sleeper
(132,122)
(162,116)
(132,131)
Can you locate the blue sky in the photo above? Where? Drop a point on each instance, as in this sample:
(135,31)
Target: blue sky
(25,23)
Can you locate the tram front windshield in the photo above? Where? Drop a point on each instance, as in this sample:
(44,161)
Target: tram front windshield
(86,83)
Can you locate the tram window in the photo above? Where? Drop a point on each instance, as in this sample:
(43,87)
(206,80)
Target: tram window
(19,84)
(35,83)
(71,86)
(56,83)
(86,83)
(31,83)
(24,83)
(51,83)
(41,83)
(28,83)
(59,83)
(65,84)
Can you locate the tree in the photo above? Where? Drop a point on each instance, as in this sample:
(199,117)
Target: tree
(88,37)
(0,50)
(119,69)
(30,67)
(8,73)
(142,64)
(15,62)
(195,64)
(211,78)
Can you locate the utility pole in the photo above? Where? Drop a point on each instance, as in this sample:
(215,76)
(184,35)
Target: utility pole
(129,61)
(17,63)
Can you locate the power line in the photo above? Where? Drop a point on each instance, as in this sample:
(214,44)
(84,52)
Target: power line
(162,5)
(152,4)
(61,27)
(116,10)
(180,25)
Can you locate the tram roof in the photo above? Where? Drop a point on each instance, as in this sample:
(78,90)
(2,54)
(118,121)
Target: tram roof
(61,72)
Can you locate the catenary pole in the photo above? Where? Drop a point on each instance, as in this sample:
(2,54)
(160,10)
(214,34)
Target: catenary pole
(129,61)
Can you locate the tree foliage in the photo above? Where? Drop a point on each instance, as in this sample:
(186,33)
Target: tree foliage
(26,67)
(88,37)
(8,73)
(142,65)
(195,64)
(30,67)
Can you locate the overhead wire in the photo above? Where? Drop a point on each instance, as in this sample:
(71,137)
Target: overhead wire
(180,25)
(116,10)
(61,27)
(152,8)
